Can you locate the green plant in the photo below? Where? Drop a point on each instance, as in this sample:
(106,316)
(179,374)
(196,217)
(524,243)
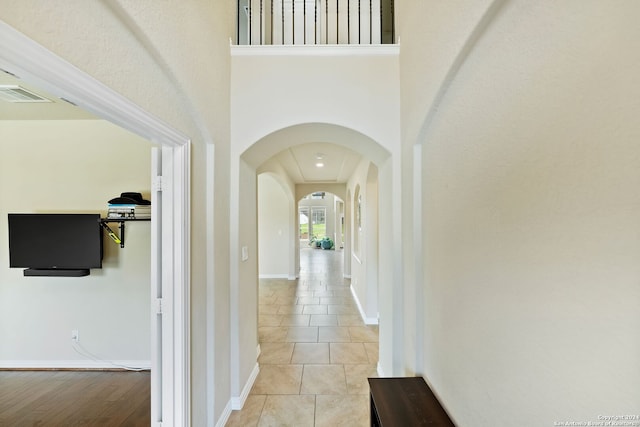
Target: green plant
(327,243)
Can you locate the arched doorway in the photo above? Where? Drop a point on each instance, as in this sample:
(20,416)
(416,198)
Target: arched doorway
(321,217)
(267,155)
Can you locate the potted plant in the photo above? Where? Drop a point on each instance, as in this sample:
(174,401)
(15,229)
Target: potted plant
(327,243)
(314,242)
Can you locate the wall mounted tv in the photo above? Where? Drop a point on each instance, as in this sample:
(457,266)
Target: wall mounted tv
(55,244)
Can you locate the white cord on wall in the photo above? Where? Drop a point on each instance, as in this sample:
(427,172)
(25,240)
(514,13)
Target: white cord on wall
(78,348)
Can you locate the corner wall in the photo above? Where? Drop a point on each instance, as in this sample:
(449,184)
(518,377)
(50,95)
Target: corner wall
(274,228)
(244,283)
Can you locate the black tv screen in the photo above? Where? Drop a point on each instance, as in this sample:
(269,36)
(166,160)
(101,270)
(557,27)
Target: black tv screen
(55,241)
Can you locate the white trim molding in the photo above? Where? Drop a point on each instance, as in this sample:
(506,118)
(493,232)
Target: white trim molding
(365,319)
(317,50)
(238,402)
(224,417)
(35,64)
(140,365)
(274,276)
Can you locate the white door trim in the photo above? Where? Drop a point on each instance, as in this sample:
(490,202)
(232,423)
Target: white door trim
(40,67)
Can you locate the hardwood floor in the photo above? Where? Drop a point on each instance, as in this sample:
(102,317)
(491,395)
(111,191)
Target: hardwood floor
(74,398)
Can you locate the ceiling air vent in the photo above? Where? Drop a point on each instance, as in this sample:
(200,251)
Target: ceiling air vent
(13,93)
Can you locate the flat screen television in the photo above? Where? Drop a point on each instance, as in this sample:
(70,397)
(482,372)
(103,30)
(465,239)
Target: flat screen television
(55,244)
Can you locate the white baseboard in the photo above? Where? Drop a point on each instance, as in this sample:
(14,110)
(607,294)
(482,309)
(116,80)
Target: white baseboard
(238,402)
(75,364)
(224,417)
(365,319)
(273,276)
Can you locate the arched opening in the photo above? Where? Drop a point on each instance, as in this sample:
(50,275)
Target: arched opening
(284,161)
(321,221)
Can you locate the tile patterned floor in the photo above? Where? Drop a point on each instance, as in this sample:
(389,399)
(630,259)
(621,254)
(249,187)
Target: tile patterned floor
(316,352)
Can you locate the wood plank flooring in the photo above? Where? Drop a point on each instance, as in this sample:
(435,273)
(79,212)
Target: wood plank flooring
(74,398)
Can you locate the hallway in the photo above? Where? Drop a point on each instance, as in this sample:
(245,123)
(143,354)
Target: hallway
(316,352)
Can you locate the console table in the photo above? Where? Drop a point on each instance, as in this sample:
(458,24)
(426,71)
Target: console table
(405,402)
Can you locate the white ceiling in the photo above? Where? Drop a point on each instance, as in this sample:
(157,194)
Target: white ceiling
(299,162)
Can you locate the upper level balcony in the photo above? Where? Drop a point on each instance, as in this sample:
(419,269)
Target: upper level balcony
(315,22)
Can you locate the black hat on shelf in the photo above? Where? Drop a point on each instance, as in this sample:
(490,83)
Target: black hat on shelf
(129,198)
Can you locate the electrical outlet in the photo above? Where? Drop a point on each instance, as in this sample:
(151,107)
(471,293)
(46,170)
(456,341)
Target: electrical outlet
(74,335)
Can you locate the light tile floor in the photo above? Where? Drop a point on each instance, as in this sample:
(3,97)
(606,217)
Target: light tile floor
(316,352)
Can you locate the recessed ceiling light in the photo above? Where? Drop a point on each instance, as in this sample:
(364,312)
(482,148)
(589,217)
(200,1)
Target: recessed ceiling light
(319,165)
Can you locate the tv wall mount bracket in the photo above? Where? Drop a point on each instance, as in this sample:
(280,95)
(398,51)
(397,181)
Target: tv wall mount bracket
(121,228)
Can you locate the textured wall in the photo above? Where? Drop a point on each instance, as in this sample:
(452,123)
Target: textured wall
(529,206)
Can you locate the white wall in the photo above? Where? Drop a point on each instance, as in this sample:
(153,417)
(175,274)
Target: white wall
(74,166)
(244,282)
(356,88)
(275,230)
(353,101)
(364,261)
(530,214)
(431,51)
(371,245)
(277,172)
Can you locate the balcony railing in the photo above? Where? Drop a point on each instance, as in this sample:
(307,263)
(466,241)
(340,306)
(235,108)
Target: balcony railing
(308,22)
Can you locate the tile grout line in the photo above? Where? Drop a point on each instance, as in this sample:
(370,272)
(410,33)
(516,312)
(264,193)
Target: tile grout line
(318,291)
(315,408)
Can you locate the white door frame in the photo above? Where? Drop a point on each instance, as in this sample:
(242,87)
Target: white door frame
(40,67)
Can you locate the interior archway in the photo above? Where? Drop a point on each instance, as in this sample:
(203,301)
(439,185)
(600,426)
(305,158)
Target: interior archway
(266,156)
(269,145)
(320,216)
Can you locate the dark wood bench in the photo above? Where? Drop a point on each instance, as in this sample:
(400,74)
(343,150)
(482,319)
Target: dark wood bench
(405,402)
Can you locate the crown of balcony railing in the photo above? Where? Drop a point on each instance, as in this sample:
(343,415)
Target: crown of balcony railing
(304,22)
